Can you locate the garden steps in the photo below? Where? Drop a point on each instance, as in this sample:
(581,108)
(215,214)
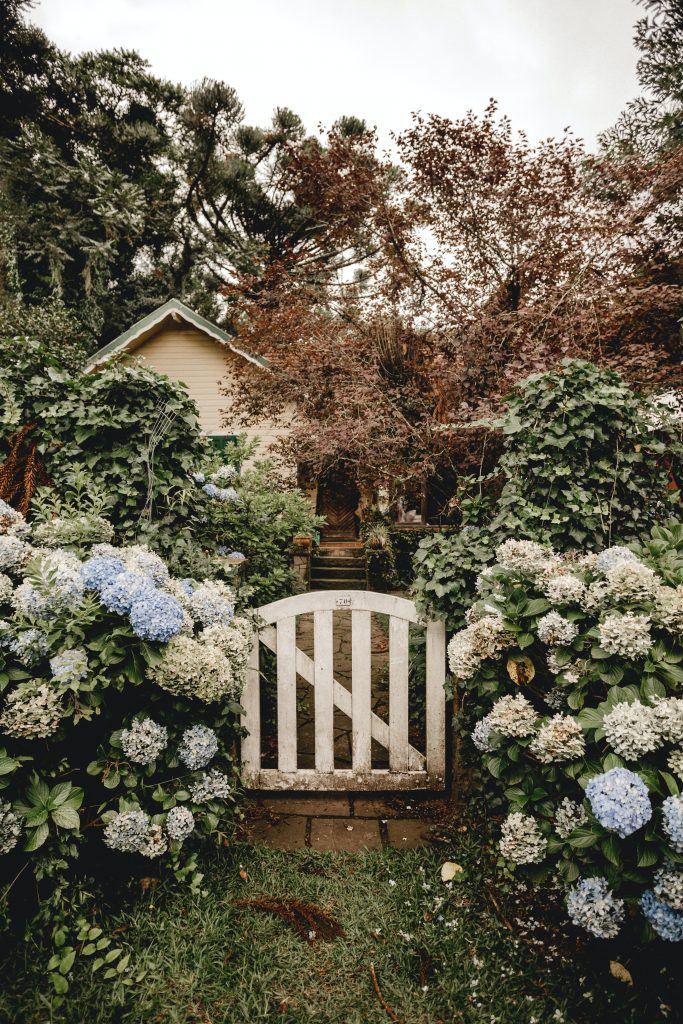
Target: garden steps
(339,567)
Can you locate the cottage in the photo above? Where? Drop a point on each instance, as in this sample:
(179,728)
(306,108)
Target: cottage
(176,341)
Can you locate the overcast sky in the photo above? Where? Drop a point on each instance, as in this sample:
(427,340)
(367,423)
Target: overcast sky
(550,63)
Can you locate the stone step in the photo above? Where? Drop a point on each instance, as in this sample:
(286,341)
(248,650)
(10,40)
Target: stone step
(338,571)
(335,584)
(340,554)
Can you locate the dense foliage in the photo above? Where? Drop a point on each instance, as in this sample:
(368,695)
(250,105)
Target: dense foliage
(587,462)
(255,513)
(120,688)
(577,661)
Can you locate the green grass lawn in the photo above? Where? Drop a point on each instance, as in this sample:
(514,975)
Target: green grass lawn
(441,954)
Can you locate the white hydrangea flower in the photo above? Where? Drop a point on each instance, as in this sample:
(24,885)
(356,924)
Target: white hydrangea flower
(235,639)
(567,589)
(32,711)
(556,698)
(668,713)
(6,589)
(596,597)
(481,734)
(524,556)
(213,785)
(554,630)
(127,831)
(668,886)
(631,581)
(191,668)
(155,843)
(559,739)
(513,716)
(522,840)
(58,586)
(211,602)
(568,816)
(198,746)
(484,638)
(13,551)
(668,609)
(675,762)
(628,635)
(138,558)
(631,730)
(70,666)
(611,557)
(179,823)
(144,741)
(10,827)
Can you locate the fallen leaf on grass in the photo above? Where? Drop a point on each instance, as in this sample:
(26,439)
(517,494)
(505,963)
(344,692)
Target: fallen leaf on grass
(451,870)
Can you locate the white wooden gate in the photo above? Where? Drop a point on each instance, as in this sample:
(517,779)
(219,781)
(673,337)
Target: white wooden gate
(408,767)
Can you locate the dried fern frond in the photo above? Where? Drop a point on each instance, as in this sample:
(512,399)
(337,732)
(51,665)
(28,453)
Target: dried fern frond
(310,922)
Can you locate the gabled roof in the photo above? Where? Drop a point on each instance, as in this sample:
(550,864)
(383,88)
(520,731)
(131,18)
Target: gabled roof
(174,309)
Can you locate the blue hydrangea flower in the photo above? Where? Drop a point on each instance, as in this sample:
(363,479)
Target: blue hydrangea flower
(188,586)
(156,616)
(30,646)
(198,478)
(101,570)
(237,555)
(592,905)
(197,747)
(666,922)
(69,666)
(211,490)
(227,494)
(121,594)
(672,809)
(611,557)
(620,801)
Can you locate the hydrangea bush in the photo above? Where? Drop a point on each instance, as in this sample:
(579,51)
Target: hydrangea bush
(119,705)
(574,665)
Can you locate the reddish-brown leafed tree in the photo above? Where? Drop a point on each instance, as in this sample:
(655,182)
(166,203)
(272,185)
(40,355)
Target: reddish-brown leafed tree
(474,259)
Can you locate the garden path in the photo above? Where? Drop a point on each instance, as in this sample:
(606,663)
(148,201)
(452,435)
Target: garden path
(352,821)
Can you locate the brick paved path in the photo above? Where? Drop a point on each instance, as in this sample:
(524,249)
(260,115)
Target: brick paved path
(349,822)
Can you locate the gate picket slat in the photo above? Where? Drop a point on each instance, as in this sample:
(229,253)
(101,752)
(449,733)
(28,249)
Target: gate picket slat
(286,694)
(361,689)
(251,719)
(408,767)
(398,694)
(436,701)
(323,654)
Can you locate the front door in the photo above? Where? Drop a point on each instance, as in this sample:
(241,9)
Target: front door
(338,498)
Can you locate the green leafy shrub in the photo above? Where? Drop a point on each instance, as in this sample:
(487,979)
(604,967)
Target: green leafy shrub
(119,711)
(134,431)
(576,661)
(587,463)
(255,513)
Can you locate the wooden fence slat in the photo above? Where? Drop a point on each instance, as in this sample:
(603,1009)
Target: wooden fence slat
(361,689)
(251,719)
(286,694)
(398,694)
(323,653)
(342,698)
(436,701)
